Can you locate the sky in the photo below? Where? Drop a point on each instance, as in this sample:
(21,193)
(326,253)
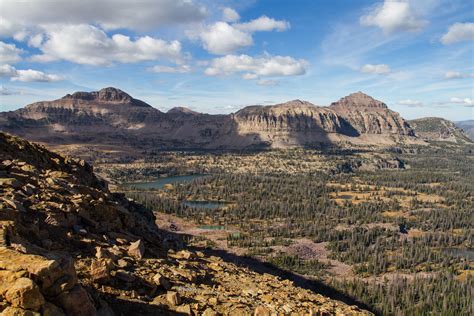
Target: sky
(218,56)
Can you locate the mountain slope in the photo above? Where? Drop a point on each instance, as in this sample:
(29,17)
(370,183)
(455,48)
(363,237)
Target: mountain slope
(68,246)
(467,127)
(438,129)
(112,117)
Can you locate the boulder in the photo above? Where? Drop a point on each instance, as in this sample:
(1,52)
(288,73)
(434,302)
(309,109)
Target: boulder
(173,298)
(24,293)
(52,275)
(162,281)
(76,302)
(100,270)
(52,310)
(16,311)
(137,249)
(261,311)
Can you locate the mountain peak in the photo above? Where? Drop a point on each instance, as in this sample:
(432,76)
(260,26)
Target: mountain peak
(359,99)
(109,94)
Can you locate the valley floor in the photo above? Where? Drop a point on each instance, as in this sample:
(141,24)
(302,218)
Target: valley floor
(376,228)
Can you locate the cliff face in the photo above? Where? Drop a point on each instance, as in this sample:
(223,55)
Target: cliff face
(293,116)
(438,129)
(370,116)
(68,246)
(112,117)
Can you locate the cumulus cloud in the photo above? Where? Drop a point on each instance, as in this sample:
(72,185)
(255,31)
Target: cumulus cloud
(393,16)
(28,75)
(223,38)
(412,103)
(462,101)
(19,16)
(87,44)
(255,67)
(170,69)
(380,69)
(263,23)
(458,32)
(9,53)
(230,15)
(7,71)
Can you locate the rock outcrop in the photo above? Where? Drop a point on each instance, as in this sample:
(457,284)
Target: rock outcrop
(68,246)
(438,129)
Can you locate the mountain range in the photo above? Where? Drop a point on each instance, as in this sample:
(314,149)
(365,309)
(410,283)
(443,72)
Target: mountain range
(112,117)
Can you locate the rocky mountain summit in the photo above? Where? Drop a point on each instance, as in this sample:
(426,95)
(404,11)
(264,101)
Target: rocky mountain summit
(370,116)
(438,129)
(112,117)
(68,246)
(106,95)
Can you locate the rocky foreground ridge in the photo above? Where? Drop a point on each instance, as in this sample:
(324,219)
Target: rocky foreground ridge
(68,246)
(112,117)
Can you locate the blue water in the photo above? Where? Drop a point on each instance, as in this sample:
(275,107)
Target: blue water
(161,182)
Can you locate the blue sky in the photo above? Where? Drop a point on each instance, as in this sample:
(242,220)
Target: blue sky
(219,56)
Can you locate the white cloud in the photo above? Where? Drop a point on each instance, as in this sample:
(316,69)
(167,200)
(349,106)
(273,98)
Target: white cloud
(28,75)
(457,75)
(253,68)
(464,101)
(17,16)
(7,71)
(380,69)
(393,16)
(31,75)
(230,15)
(7,91)
(453,75)
(409,102)
(222,38)
(262,24)
(458,32)
(9,53)
(87,44)
(170,69)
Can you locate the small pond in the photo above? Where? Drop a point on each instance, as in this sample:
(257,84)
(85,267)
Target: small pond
(161,182)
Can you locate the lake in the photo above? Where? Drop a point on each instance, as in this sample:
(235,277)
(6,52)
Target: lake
(161,182)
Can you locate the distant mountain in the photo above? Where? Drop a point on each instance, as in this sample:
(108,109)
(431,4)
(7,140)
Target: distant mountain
(468,127)
(112,117)
(438,129)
